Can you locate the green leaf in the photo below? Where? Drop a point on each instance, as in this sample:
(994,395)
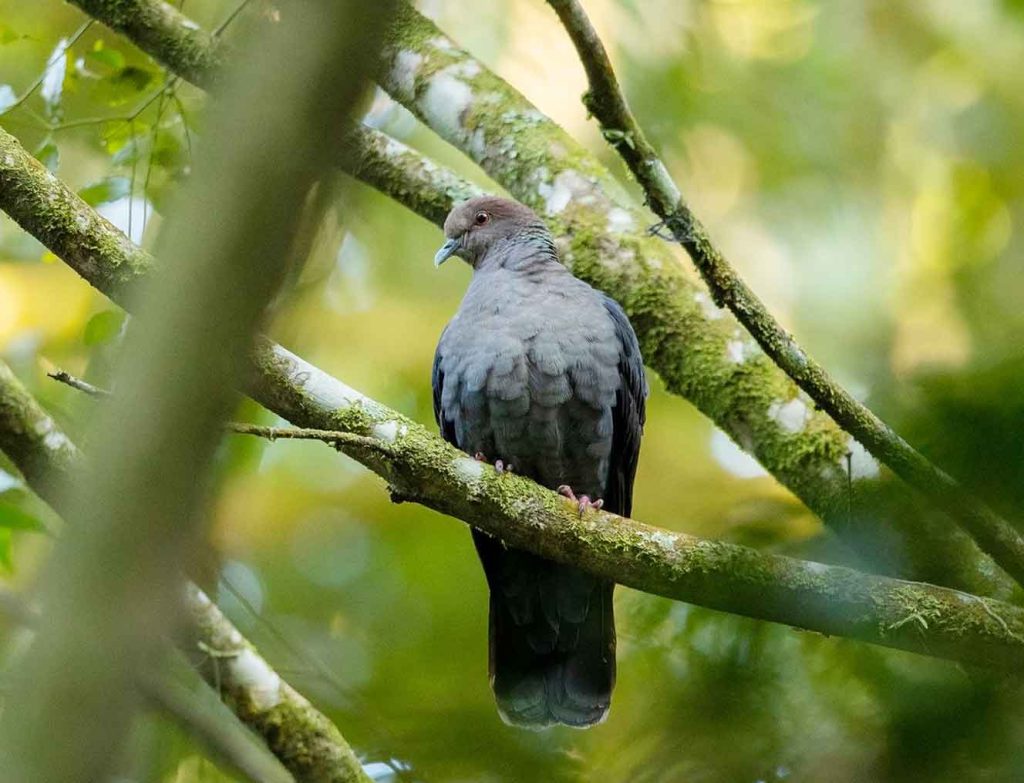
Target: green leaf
(118,134)
(133,77)
(102,57)
(105,191)
(130,152)
(14,518)
(103,327)
(49,155)
(124,85)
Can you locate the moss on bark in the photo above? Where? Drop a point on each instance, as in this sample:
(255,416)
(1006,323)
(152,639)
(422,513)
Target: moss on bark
(685,338)
(700,352)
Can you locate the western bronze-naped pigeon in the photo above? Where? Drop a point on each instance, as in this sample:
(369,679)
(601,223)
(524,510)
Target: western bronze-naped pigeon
(542,374)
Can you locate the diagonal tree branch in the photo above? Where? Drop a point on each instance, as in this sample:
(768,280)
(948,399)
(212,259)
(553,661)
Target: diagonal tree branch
(290,725)
(697,348)
(607,104)
(160,29)
(420,466)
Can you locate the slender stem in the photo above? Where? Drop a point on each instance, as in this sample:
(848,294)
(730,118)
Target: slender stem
(339,439)
(77,383)
(334,438)
(605,101)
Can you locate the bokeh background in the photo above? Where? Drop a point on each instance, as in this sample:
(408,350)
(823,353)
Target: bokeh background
(860,162)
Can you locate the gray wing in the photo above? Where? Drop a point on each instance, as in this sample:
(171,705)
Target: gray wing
(628,415)
(446,425)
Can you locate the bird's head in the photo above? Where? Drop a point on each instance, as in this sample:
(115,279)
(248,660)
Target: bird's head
(475,226)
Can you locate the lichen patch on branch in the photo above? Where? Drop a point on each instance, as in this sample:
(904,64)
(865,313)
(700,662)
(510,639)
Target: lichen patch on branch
(260,683)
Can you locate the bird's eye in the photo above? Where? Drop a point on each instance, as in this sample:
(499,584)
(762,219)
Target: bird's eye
(481,218)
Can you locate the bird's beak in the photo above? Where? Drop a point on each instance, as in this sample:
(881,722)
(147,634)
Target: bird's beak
(448,249)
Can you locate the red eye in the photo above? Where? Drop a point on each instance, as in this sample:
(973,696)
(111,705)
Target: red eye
(481,218)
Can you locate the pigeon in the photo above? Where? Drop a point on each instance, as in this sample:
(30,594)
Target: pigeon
(541,374)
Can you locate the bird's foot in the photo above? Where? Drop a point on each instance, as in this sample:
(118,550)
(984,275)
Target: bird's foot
(499,465)
(583,502)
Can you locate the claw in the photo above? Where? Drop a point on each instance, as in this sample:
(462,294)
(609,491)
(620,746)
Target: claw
(583,502)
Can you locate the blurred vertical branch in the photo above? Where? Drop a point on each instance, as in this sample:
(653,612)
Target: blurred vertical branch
(112,587)
(287,722)
(184,698)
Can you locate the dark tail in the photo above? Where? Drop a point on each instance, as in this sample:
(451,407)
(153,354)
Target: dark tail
(552,639)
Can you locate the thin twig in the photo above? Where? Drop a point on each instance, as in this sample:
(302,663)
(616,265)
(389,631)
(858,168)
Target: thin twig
(219,29)
(78,383)
(605,101)
(335,438)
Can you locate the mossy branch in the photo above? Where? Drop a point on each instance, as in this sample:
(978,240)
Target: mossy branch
(421,467)
(161,30)
(696,347)
(302,738)
(186,703)
(606,102)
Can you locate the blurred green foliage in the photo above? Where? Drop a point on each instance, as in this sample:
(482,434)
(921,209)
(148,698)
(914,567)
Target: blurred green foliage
(859,162)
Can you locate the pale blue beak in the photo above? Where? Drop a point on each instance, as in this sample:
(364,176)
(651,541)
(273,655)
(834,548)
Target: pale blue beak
(448,249)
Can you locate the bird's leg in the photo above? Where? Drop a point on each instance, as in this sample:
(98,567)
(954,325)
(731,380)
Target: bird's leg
(583,502)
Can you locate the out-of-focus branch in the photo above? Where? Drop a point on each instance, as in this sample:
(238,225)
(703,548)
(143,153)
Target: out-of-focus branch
(227,740)
(606,102)
(111,588)
(223,735)
(303,739)
(696,348)
(165,33)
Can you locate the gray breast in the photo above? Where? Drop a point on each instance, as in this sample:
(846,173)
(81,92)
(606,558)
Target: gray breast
(531,373)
